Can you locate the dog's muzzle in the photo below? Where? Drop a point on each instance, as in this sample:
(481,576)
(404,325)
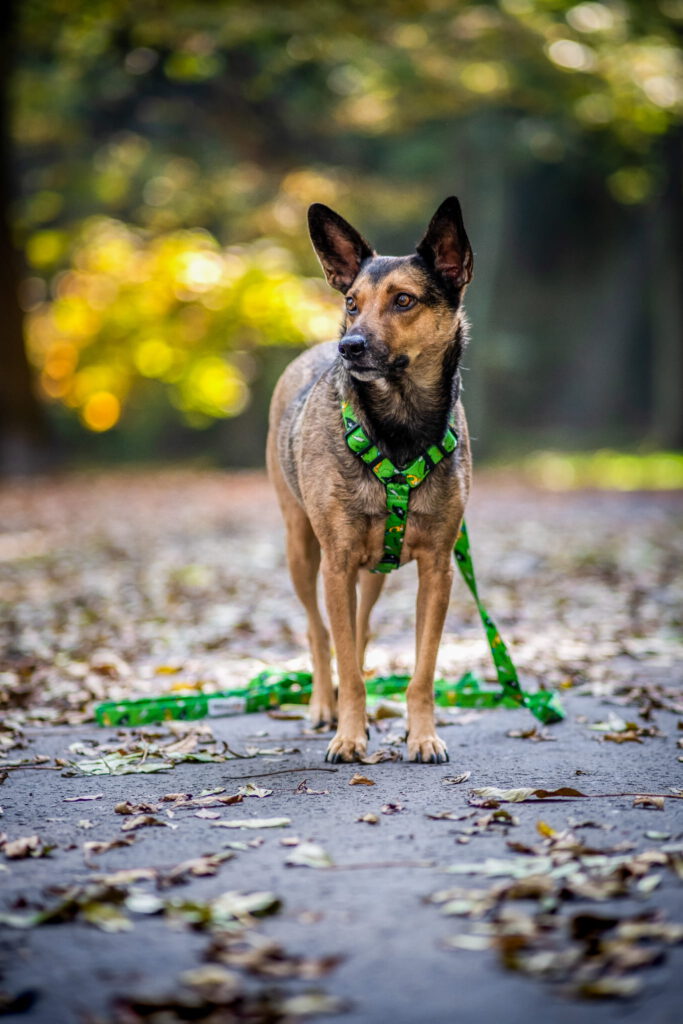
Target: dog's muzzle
(352,346)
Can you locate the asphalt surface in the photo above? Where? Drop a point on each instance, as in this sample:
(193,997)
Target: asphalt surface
(369,907)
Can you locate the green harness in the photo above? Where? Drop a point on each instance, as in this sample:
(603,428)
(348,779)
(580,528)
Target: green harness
(398,483)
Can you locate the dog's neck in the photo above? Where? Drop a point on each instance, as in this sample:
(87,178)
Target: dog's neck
(406,413)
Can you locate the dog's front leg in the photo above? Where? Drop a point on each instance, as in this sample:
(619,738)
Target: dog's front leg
(339,578)
(435,578)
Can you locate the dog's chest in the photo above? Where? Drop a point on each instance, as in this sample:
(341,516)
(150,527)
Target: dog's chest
(367,508)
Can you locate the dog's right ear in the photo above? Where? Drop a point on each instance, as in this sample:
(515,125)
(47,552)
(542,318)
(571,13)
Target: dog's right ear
(340,248)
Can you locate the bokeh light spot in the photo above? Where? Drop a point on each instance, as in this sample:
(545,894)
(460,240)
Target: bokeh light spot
(101,411)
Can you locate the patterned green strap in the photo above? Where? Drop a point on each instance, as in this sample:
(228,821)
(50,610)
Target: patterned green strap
(544,705)
(272,688)
(398,484)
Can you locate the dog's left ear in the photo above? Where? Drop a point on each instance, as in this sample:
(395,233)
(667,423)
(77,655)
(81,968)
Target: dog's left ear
(340,248)
(445,246)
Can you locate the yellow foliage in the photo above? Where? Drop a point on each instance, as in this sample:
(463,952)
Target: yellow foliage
(171,308)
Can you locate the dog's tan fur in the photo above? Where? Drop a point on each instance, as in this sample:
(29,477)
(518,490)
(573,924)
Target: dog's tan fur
(402,389)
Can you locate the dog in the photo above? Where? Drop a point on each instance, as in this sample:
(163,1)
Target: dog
(396,367)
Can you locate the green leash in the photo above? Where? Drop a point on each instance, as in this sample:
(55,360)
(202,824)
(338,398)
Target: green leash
(270,688)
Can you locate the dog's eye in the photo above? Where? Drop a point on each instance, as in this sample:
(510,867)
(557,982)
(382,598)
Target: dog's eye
(351,304)
(405,301)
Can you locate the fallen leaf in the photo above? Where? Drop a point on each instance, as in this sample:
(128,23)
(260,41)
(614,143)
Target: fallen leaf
(519,795)
(534,734)
(214,982)
(382,755)
(610,987)
(126,807)
(654,802)
(455,780)
(392,808)
(143,821)
(369,818)
(613,724)
(26,846)
(252,823)
(86,796)
(94,848)
(630,736)
(309,855)
(253,790)
(360,780)
(266,958)
(198,867)
(311,1004)
(204,812)
(126,876)
(105,916)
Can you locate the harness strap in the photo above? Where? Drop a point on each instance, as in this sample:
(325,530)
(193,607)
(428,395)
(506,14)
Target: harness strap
(398,483)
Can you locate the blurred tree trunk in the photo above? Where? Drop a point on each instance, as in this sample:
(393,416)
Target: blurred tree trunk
(23,432)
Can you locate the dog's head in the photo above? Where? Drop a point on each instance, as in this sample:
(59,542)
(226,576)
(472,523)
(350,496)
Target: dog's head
(401,311)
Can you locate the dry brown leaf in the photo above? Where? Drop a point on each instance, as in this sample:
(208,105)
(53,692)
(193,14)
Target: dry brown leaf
(369,818)
(26,846)
(360,780)
(199,867)
(143,821)
(382,755)
(629,736)
(652,802)
(94,847)
(126,807)
(455,780)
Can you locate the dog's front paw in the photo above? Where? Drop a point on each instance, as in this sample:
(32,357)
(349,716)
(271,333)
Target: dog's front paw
(347,747)
(427,748)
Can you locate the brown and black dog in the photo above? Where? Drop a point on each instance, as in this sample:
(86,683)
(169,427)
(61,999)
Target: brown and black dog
(397,363)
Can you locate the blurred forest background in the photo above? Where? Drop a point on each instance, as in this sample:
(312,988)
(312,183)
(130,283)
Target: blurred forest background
(156,163)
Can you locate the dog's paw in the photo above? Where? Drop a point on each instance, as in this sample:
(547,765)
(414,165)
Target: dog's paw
(322,714)
(427,749)
(344,747)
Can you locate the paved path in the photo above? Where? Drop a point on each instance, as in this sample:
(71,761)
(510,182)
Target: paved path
(368,907)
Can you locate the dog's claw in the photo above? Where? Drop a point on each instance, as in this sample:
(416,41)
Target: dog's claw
(324,724)
(429,750)
(346,748)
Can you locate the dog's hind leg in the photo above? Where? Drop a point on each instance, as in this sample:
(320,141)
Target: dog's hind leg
(370,588)
(433,594)
(303,556)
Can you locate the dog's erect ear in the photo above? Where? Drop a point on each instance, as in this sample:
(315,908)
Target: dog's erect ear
(340,248)
(445,246)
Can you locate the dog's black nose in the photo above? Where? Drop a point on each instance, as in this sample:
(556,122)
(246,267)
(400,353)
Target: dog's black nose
(352,346)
